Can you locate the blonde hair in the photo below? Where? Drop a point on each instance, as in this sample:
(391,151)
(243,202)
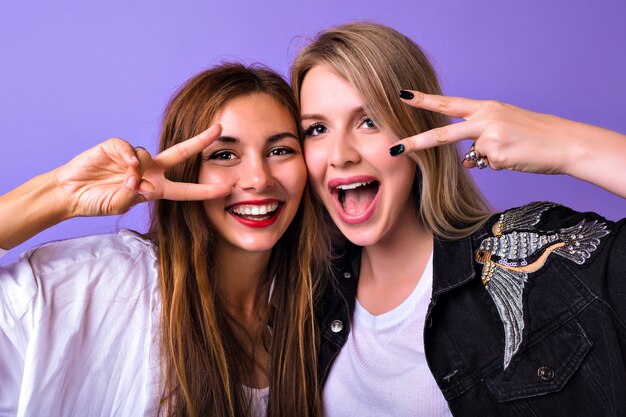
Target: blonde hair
(378,62)
(204,365)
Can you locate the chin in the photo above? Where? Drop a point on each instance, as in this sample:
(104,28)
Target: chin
(364,237)
(258,247)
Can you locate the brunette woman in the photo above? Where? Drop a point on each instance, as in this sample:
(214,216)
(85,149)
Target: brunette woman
(210,313)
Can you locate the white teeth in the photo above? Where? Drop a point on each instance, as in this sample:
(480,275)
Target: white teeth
(353,185)
(254,209)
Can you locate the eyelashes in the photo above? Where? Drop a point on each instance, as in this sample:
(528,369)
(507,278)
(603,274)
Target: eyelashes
(231,156)
(221,156)
(281,151)
(315,129)
(368,122)
(318,128)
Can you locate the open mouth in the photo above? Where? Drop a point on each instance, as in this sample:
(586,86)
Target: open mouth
(256,214)
(357,198)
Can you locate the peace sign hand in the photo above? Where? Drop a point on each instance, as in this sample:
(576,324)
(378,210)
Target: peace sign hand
(113,176)
(507,136)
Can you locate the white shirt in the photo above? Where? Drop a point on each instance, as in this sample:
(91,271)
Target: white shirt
(79,330)
(79,326)
(382,369)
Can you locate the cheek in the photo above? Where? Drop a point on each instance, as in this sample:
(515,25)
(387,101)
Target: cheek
(217,175)
(293,178)
(315,157)
(214,211)
(403,176)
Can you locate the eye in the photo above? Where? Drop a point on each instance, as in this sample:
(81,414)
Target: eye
(367,123)
(222,156)
(315,129)
(281,152)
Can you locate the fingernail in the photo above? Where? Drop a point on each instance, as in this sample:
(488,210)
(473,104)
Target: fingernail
(396,150)
(407,95)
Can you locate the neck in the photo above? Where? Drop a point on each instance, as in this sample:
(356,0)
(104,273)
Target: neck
(240,275)
(400,249)
(391,268)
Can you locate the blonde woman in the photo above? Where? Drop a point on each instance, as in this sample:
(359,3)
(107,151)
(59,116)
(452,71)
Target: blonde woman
(210,314)
(438,306)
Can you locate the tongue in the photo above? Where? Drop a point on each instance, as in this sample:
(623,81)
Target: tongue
(356,201)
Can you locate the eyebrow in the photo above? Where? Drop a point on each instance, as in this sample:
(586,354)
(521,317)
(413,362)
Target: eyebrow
(282,135)
(273,138)
(314,116)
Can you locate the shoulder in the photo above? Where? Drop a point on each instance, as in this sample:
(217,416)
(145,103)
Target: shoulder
(72,277)
(548,239)
(112,249)
(542,215)
(577,230)
(99,266)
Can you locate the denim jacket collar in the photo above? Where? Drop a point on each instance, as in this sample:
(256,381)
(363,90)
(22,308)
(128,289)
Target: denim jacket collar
(456,256)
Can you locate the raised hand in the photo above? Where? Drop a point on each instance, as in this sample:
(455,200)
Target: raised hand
(107,179)
(113,176)
(509,137)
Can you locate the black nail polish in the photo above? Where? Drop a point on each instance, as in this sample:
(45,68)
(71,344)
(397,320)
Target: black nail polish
(407,95)
(396,150)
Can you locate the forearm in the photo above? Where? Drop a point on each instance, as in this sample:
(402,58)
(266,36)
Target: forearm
(598,156)
(29,209)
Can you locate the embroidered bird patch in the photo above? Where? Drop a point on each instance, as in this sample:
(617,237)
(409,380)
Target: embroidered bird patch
(515,250)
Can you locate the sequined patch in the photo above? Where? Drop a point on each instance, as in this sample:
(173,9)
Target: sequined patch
(515,250)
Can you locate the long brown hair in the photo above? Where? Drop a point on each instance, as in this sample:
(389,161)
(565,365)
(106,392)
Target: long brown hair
(378,62)
(203,363)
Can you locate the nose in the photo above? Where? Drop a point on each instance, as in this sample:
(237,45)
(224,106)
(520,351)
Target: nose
(342,151)
(255,174)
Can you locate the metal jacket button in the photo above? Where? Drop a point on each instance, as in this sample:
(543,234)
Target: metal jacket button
(347,275)
(545,373)
(336,326)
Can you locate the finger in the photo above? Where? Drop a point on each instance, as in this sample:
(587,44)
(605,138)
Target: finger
(123,150)
(146,189)
(448,105)
(131,181)
(126,199)
(469,164)
(134,173)
(124,155)
(144,157)
(184,150)
(181,191)
(437,137)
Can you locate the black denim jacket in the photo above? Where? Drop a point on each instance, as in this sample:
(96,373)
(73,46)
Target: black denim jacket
(572,358)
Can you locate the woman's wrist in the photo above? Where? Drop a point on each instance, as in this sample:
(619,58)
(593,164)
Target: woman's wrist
(598,156)
(31,208)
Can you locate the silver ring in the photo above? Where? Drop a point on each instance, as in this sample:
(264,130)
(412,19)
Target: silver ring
(482,162)
(471,154)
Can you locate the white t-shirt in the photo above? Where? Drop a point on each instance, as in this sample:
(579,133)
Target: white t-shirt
(382,369)
(79,330)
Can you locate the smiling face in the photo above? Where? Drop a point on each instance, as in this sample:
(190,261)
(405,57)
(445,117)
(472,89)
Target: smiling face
(366,191)
(259,154)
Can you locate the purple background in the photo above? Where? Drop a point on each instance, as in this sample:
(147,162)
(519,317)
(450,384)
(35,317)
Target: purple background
(73,74)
